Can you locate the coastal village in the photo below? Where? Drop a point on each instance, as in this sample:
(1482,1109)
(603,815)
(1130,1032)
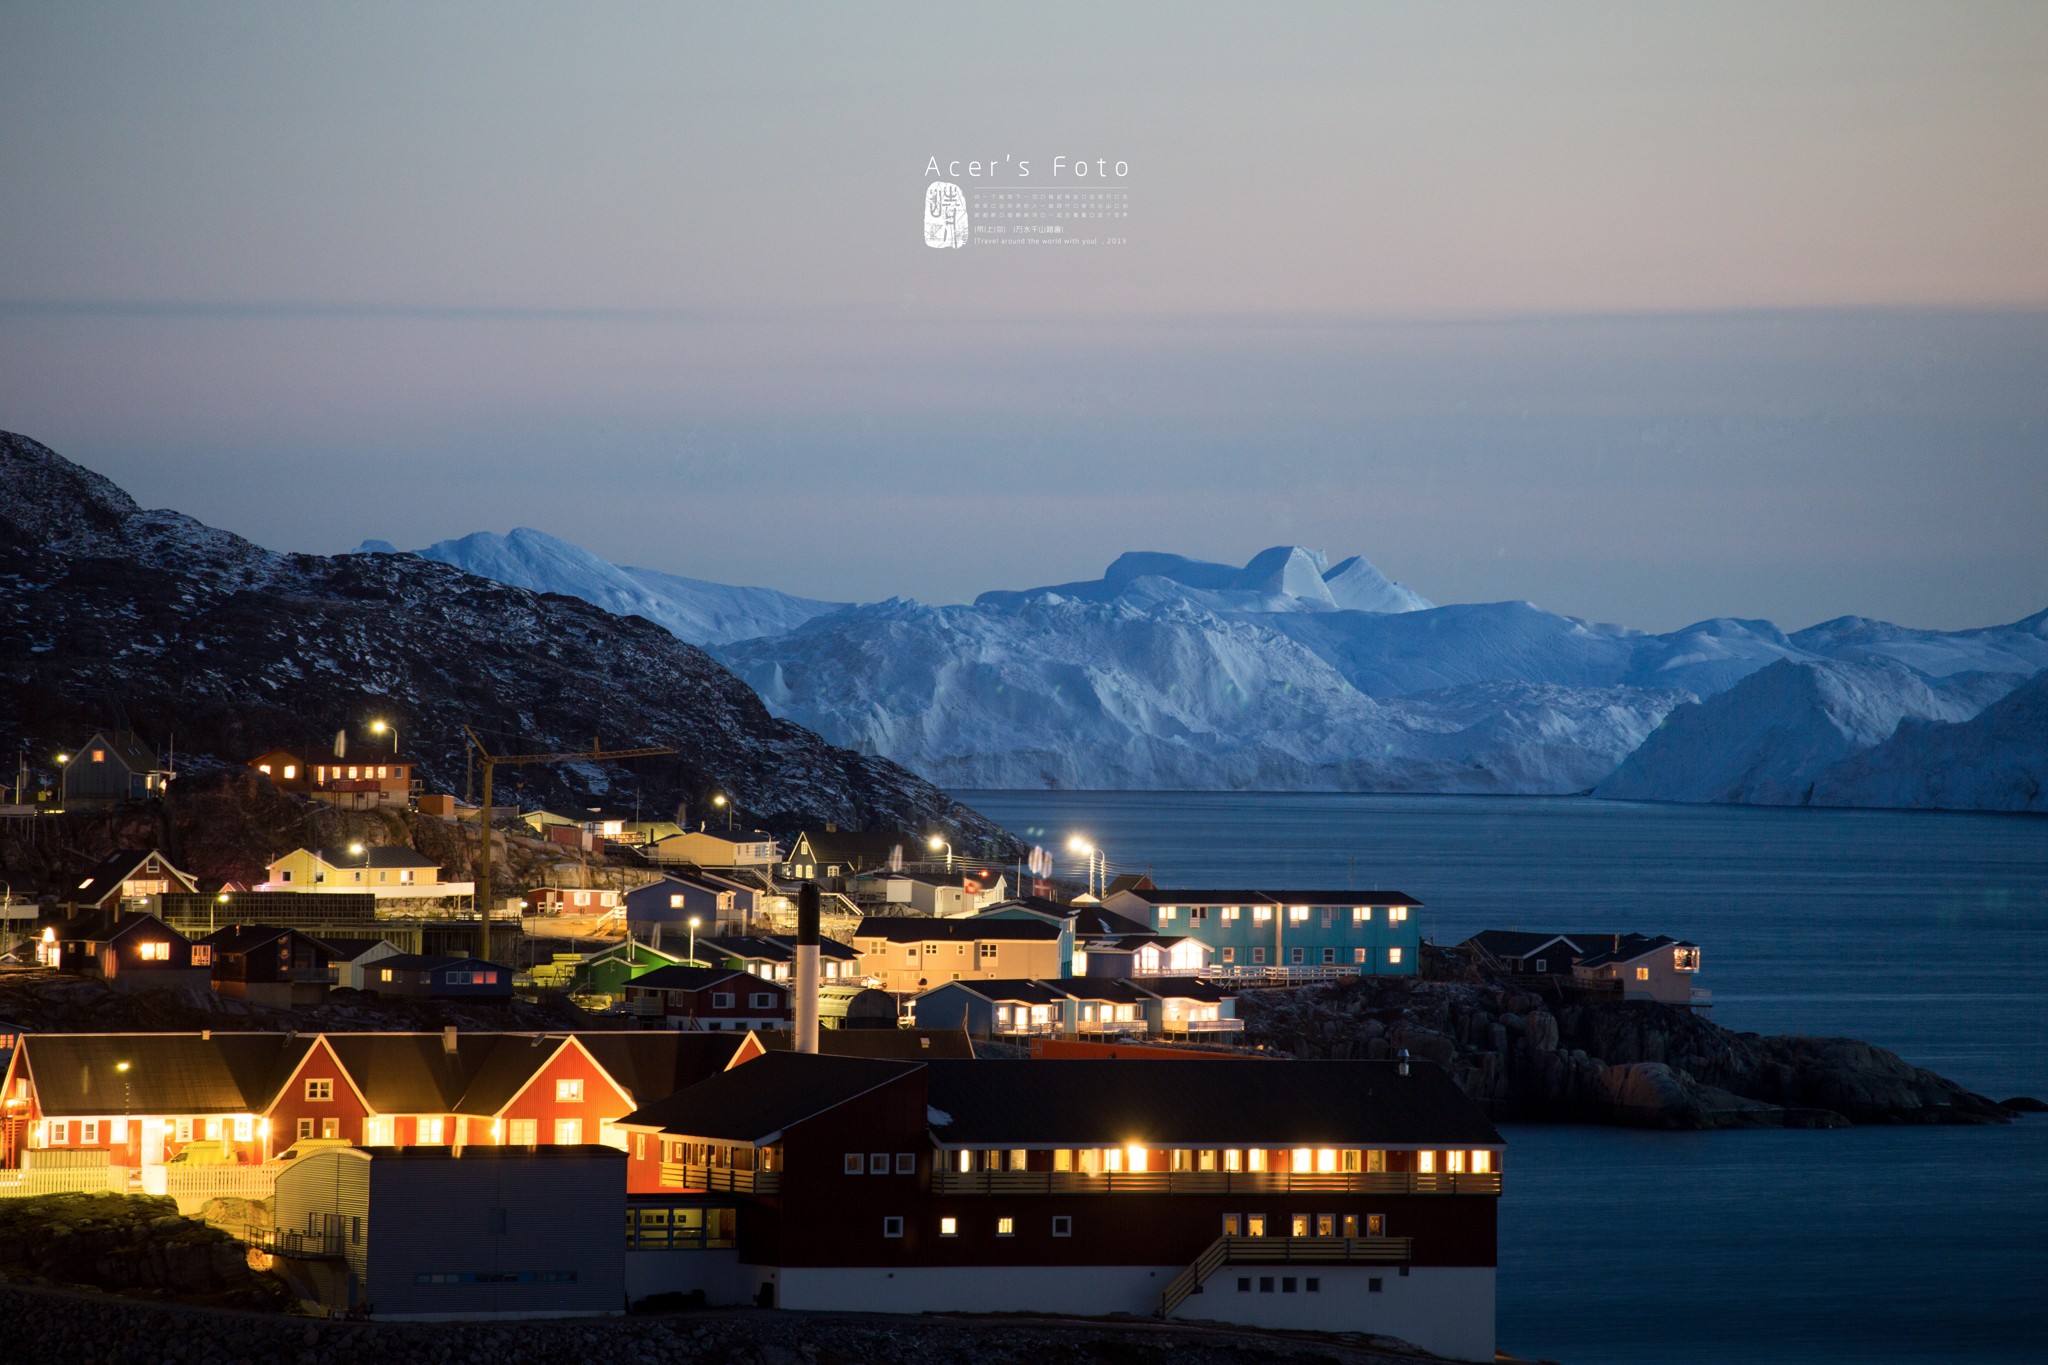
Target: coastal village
(682,1061)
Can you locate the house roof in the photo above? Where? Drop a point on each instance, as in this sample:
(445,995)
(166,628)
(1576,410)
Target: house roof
(773,947)
(247,938)
(1189,988)
(924,929)
(165,1073)
(1115,989)
(349,949)
(104,881)
(839,846)
(757,1101)
(505,1069)
(1293,1104)
(1185,896)
(952,880)
(1009,991)
(104,926)
(654,1063)
(1128,881)
(412,1073)
(380,855)
(1630,947)
(1092,921)
(898,1044)
(684,978)
(419,962)
(1517,942)
(124,745)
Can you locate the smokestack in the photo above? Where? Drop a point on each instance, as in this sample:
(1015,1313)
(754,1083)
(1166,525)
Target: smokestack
(1401,1058)
(807,968)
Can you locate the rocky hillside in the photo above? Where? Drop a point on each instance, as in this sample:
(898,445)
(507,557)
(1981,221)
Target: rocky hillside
(197,636)
(1527,1057)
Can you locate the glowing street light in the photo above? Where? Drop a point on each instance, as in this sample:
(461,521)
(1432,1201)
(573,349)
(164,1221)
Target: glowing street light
(1079,845)
(726,806)
(694,922)
(378,727)
(935,843)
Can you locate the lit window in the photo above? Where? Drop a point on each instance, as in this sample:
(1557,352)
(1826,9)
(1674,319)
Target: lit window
(1454,1162)
(1394,957)
(1262,914)
(1303,1160)
(1167,912)
(245,1127)
(291,770)
(202,955)
(1397,914)
(1230,954)
(1326,1160)
(1230,914)
(1361,914)
(523,1132)
(1642,973)
(568,1132)
(569,1091)
(212,1130)
(377,1132)
(428,1132)
(1425,1162)
(949,1227)
(1297,914)
(89,1132)
(1359,954)
(1255,1225)
(1113,1160)
(675,902)
(1006,1227)
(1482,1162)
(1257,1159)
(1297,1226)
(386,973)
(99,755)
(263,768)
(1233,1225)
(320,1090)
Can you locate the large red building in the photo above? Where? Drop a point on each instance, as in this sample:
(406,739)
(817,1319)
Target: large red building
(1336,1196)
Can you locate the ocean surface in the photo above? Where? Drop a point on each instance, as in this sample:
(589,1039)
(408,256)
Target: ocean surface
(1924,933)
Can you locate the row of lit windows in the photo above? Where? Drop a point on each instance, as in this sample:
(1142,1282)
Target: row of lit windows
(1298,1160)
(1305,1225)
(1062,1226)
(1296,914)
(1298,957)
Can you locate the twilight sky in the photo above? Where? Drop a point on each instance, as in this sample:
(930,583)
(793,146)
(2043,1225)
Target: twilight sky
(1643,313)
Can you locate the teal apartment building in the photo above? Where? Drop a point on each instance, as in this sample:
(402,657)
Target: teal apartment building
(1292,933)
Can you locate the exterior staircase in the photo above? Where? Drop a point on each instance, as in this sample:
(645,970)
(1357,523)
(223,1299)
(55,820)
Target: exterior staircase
(1281,1250)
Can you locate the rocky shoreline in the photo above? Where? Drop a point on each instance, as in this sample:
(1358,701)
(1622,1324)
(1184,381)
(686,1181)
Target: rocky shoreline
(1527,1056)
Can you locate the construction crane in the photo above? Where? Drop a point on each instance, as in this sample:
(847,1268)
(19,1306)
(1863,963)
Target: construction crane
(490,762)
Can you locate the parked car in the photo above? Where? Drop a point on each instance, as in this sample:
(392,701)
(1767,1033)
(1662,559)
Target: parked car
(204,1153)
(306,1147)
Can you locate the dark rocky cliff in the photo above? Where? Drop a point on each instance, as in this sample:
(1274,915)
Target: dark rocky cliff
(196,635)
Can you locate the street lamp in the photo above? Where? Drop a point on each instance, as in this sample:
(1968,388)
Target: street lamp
(935,843)
(1079,845)
(378,727)
(694,922)
(726,806)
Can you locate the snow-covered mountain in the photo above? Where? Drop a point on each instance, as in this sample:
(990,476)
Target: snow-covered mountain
(1288,673)
(1767,739)
(691,609)
(1997,760)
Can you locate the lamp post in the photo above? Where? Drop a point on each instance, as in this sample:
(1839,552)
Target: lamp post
(1079,845)
(935,843)
(694,922)
(726,806)
(378,727)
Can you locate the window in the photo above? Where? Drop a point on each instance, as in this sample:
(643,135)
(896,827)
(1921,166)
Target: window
(1287,1284)
(988,950)
(1006,1227)
(855,1163)
(291,770)
(1297,1226)
(305,1128)
(1454,1162)
(1375,1285)
(569,1091)
(1295,956)
(330,1128)
(263,768)
(762,1000)
(99,755)
(1297,914)
(1397,914)
(568,1132)
(89,1132)
(321,1090)
(1361,914)
(429,1132)
(1230,914)
(1233,1225)
(1425,1162)
(639,1146)
(1200,914)
(1482,1162)
(184,1130)
(1258,956)
(154,952)
(1329,956)
(1313,1285)
(949,1227)
(1642,973)
(385,974)
(1255,1225)
(523,1132)
(721,1000)
(1265,1284)
(1262,914)
(1244,1284)
(1167,913)
(1326,918)
(892,1226)
(1393,957)
(906,1163)
(285,876)
(675,902)
(878,1163)
(1360,954)
(1062,1225)
(1230,954)
(1542,964)
(212,1130)
(1326,1225)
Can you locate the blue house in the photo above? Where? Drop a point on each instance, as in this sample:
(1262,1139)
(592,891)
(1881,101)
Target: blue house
(1305,934)
(660,912)
(439,978)
(1076,1007)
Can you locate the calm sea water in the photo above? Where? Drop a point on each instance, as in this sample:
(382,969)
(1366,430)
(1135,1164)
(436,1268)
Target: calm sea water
(1924,933)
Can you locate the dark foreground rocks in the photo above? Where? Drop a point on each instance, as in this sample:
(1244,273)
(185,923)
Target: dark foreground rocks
(83,1330)
(1528,1056)
(129,1244)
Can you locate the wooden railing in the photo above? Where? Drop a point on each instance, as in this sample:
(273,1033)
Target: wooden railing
(675,1175)
(1214,1182)
(1277,1250)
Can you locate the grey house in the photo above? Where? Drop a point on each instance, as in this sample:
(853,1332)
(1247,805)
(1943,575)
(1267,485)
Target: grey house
(429,1233)
(110,768)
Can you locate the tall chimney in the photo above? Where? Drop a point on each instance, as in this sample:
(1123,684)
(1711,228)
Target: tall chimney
(807,968)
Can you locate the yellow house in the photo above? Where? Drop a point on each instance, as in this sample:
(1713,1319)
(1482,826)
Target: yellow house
(381,871)
(710,848)
(915,953)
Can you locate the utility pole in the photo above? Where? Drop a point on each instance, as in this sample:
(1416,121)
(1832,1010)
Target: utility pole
(490,762)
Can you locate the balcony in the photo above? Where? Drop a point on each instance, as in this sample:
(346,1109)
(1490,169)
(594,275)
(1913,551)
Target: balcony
(1214,1182)
(1204,1026)
(722,1179)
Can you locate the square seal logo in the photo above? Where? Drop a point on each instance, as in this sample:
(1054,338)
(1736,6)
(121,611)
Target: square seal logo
(945,215)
